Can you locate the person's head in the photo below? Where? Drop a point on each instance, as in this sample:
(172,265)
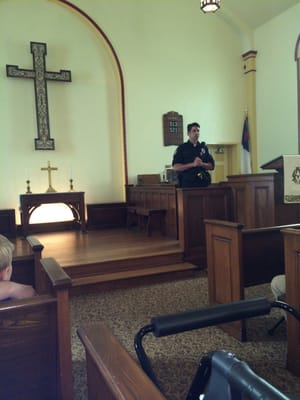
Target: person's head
(193,131)
(6,251)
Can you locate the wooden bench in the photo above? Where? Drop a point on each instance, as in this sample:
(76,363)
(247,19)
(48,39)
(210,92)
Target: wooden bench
(162,196)
(112,374)
(237,258)
(291,239)
(148,217)
(35,342)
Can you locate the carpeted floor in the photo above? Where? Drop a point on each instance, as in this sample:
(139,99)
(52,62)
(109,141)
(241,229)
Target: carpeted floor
(175,358)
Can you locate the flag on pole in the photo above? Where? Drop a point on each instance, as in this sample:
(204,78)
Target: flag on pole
(245,149)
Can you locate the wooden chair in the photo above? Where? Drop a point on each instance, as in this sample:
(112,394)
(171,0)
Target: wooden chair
(35,342)
(112,373)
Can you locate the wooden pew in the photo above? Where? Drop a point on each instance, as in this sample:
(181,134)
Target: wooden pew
(194,206)
(237,258)
(112,373)
(291,239)
(26,257)
(35,343)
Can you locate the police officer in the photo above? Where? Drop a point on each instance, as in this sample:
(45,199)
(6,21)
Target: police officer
(192,160)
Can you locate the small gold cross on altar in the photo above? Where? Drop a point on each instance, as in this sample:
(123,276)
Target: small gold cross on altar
(49,169)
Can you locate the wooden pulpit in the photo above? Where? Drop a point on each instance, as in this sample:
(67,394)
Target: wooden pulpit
(258,198)
(276,163)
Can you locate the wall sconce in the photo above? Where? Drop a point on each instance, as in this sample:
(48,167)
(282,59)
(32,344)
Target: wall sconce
(209,6)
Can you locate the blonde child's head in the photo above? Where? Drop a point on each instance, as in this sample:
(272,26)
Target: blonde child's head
(6,251)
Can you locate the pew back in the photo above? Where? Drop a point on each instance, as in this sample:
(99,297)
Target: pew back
(35,344)
(237,258)
(26,266)
(292,273)
(111,372)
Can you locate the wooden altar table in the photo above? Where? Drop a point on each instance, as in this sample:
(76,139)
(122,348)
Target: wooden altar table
(30,201)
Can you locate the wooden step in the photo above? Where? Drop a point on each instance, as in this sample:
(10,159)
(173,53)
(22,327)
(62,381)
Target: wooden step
(162,269)
(124,265)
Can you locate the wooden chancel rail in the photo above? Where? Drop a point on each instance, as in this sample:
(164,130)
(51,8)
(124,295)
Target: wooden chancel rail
(237,258)
(35,342)
(112,373)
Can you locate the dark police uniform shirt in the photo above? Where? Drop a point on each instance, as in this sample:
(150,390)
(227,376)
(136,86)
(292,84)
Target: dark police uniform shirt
(196,176)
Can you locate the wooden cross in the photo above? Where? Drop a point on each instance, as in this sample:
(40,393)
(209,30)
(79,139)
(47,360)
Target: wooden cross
(40,77)
(49,169)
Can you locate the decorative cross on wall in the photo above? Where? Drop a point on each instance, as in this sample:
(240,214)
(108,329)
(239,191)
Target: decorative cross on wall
(40,77)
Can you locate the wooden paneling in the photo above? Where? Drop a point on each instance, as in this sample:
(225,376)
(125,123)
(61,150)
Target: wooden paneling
(224,268)
(8,223)
(194,206)
(258,200)
(156,196)
(237,258)
(292,272)
(253,199)
(106,215)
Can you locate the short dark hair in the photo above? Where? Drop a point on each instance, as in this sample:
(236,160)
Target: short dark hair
(191,125)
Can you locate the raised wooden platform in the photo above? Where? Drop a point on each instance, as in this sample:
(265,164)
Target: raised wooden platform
(113,255)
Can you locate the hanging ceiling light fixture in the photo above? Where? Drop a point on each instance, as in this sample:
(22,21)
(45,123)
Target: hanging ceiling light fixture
(208,6)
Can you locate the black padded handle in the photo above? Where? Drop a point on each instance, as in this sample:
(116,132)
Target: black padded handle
(214,315)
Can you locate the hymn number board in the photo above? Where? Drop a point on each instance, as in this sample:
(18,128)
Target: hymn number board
(172,128)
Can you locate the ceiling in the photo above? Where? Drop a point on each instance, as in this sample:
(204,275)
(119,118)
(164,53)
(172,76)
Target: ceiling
(256,12)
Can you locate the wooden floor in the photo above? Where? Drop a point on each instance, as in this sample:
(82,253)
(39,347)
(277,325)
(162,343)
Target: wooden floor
(113,254)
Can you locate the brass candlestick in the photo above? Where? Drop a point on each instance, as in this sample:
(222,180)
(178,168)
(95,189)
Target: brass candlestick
(28,186)
(71,185)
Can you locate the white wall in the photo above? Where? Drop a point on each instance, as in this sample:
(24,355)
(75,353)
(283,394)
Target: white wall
(84,114)
(277,122)
(173,57)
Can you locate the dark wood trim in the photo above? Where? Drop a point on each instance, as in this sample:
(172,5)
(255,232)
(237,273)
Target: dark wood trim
(106,215)
(8,226)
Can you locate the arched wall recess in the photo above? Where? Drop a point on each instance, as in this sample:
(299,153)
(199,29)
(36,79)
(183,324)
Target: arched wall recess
(297,59)
(102,34)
